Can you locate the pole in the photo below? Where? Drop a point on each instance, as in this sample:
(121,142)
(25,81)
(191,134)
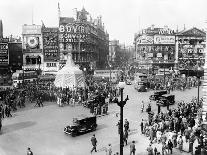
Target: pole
(23,76)
(121,124)
(198,89)
(164,76)
(79,57)
(110,76)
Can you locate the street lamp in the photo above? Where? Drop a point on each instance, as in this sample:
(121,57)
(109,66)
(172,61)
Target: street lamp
(110,75)
(22,75)
(121,104)
(198,76)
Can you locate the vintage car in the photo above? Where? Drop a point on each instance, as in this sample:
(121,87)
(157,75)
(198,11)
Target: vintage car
(166,99)
(157,95)
(80,125)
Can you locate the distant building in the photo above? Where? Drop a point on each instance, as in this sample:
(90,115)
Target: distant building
(113,49)
(191,45)
(32,46)
(85,38)
(155,48)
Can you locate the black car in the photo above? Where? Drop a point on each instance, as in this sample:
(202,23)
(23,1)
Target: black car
(82,124)
(157,95)
(166,99)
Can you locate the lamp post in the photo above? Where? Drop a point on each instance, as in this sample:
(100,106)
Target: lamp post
(22,75)
(198,76)
(110,75)
(121,105)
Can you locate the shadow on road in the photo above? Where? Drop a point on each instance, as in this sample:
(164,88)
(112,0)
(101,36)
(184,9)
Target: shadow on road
(17,126)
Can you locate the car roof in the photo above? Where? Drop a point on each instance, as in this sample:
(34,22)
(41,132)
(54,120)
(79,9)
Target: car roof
(167,95)
(83,116)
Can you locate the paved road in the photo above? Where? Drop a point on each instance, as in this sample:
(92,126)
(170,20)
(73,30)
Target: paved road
(42,128)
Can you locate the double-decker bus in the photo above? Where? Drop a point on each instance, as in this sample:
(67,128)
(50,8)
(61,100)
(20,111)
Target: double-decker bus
(140,81)
(27,76)
(106,74)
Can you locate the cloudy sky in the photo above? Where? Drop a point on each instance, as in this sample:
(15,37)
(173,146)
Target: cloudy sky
(122,18)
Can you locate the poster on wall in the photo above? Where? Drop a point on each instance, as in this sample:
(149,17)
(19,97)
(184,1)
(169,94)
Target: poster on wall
(4,57)
(159,39)
(145,40)
(50,44)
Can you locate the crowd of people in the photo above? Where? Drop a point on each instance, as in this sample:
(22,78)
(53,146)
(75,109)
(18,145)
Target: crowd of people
(171,128)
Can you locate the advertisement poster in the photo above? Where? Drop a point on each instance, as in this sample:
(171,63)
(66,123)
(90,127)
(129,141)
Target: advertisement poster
(73,32)
(50,44)
(4,58)
(159,39)
(145,40)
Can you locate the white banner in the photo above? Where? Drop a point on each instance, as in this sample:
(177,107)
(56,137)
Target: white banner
(159,39)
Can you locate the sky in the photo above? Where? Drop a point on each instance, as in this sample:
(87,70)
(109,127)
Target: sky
(122,18)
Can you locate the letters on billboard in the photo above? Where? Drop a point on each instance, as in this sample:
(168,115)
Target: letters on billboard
(73,32)
(145,40)
(50,44)
(4,58)
(160,39)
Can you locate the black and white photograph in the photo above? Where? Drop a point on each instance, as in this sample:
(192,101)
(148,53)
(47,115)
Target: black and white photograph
(103,77)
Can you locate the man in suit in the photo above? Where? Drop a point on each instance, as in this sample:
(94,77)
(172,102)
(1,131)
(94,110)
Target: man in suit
(94,143)
(132,148)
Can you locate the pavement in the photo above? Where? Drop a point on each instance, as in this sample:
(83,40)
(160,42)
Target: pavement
(41,128)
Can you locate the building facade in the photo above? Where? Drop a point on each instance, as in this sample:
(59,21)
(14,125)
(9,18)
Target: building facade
(191,45)
(32,47)
(155,48)
(85,39)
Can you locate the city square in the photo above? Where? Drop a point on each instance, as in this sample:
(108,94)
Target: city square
(103,77)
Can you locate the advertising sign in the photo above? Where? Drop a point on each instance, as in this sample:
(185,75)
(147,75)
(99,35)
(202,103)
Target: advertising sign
(159,55)
(73,32)
(159,39)
(50,44)
(31,29)
(4,58)
(145,40)
(150,55)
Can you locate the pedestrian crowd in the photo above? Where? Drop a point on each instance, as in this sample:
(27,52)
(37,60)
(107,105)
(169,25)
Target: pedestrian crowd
(171,128)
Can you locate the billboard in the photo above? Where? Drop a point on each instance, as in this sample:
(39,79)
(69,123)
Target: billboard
(50,44)
(161,39)
(73,32)
(31,29)
(145,40)
(4,57)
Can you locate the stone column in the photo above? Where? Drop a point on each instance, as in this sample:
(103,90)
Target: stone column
(204,110)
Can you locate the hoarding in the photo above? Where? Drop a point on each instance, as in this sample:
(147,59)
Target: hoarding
(145,40)
(73,32)
(4,57)
(161,39)
(50,44)
(31,29)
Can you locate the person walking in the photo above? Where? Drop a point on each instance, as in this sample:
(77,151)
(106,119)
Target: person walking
(29,152)
(150,149)
(169,146)
(94,143)
(109,150)
(142,126)
(180,144)
(132,148)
